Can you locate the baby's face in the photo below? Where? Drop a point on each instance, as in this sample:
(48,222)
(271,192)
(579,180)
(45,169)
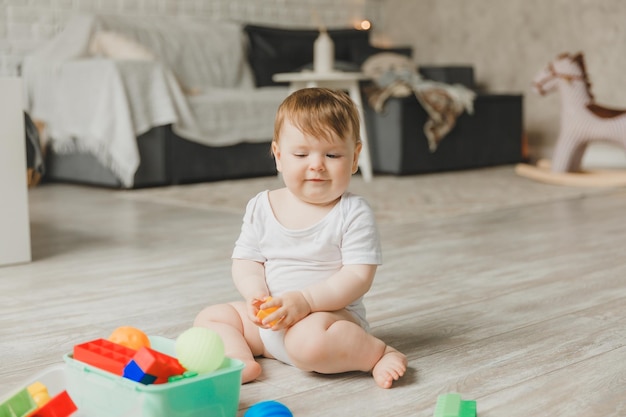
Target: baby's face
(315,170)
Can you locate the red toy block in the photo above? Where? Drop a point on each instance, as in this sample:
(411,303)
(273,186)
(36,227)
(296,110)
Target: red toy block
(105,355)
(158,364)
(59,406)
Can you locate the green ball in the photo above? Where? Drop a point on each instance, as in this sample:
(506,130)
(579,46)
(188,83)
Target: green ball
(200,350)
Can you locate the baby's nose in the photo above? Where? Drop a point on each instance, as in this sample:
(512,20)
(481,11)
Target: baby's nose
(317,162)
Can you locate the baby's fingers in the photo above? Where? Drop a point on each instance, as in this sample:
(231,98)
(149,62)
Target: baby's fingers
(257,302)
(269,316)
(270,303)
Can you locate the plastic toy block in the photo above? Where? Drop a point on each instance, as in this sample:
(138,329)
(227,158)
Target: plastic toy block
(59,406)
(451,405)
(39,393)
(160,365)
(105,355)
(19,405)
(134,372)
(187,374)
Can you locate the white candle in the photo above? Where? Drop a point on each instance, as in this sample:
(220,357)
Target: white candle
(323,53)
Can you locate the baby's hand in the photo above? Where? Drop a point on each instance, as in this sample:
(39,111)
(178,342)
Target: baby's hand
(291,307)
(254,306)
(265,310)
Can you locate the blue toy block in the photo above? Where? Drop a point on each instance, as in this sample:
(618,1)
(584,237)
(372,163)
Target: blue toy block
(134,372)
(451,405)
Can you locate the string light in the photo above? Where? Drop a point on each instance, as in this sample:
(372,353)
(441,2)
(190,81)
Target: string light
(363,25)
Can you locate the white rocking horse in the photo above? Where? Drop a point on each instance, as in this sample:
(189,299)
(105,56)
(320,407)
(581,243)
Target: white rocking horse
(582,121)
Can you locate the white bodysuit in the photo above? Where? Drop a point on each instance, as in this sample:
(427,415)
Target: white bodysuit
(296,259)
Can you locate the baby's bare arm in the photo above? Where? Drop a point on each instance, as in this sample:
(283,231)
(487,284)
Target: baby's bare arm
(249,278)
(341,289)
(333,294)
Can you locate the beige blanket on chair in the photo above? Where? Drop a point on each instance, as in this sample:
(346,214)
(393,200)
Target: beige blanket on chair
(395,76)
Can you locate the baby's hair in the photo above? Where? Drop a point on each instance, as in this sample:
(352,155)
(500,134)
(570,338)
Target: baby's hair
(320,112)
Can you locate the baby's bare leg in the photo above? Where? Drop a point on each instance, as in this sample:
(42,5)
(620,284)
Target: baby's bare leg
(241,337)
(332,343)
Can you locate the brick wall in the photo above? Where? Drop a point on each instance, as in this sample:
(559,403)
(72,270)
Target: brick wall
(26,24)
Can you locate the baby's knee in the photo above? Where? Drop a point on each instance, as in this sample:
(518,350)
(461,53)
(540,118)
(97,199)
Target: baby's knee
(219,313)
(305,351)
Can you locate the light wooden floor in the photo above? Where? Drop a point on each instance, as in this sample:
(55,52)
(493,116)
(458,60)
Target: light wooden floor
(522,309)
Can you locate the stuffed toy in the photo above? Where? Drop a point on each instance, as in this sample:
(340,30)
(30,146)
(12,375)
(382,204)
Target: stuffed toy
(582,121)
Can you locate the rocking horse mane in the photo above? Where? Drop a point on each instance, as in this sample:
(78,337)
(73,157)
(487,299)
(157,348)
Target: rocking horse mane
(598,110)
(579,60)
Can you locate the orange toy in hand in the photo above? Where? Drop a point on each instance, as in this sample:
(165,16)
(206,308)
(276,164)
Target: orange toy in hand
(267,311)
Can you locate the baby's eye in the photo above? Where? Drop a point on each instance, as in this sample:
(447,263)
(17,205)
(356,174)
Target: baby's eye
(299,155)
(333,155)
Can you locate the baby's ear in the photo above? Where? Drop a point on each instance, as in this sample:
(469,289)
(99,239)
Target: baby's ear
(355,161)
(276,154)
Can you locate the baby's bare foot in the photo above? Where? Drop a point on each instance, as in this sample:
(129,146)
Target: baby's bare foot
(390,367)
(251,371)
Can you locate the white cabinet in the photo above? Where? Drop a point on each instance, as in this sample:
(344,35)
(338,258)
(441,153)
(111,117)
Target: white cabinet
(14,218)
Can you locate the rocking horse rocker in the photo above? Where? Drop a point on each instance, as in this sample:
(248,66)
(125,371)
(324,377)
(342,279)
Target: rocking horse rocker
(582,121)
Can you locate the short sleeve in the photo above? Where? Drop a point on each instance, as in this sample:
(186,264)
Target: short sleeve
(361,239)
(247,245)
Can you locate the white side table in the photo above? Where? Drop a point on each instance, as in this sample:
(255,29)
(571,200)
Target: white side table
(348,81)
(14,217)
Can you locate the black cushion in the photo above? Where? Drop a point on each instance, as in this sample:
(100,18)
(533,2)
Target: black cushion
(273,50)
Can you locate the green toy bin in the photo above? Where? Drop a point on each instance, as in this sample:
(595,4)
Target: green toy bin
(99,393)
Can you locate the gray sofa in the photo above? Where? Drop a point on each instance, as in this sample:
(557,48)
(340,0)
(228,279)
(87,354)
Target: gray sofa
(166,159)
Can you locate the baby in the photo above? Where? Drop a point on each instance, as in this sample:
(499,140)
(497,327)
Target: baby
(313,247)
